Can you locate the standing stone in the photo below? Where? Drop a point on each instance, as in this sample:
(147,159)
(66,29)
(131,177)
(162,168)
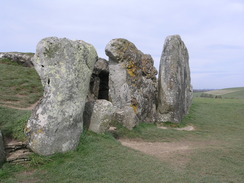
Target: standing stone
(132,79)
(65,69)
(174,85)
(98,115)
(2,150)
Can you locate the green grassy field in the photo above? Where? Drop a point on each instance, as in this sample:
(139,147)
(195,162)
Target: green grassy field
(13,121)
(20,86)
(215,154)
(237,94)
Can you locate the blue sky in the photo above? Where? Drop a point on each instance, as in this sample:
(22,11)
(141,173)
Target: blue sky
(213,30)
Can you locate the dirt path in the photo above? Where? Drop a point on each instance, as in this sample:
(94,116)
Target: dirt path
(32,106)
(186,128)
(178,154)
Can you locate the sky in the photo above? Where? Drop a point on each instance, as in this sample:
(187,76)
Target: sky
(212,30)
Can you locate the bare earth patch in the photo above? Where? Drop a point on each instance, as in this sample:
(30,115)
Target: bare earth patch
(178,154)
(187,128)
(27,177)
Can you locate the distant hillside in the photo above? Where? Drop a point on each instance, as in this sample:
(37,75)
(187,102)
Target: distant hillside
(232,93)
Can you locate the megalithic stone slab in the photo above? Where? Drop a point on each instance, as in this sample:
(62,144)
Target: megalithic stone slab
(174,85)
(65,69)
(98,115)
(132,79)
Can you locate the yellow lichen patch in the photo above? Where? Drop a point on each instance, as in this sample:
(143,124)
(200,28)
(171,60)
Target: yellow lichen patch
(134,107)
(131,72)
(40,131)
(131,69)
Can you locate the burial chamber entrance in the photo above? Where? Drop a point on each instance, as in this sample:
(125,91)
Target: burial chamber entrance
(103,86)
(99,88)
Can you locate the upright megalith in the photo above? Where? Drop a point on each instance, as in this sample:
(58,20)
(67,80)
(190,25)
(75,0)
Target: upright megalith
(174,85)
(2,150)
(132,80)
(65,69)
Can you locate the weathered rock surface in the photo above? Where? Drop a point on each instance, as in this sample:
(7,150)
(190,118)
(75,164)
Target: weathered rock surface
(174,85)
(2,150)
(99,88)
(132,79)
(65,69)
(98,115)
(127,117)
(24,59)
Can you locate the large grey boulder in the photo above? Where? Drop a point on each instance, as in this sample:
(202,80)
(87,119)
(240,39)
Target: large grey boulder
(98,115)
(174,85)
(127,117)
(65,69)
(132,79)
(2,150)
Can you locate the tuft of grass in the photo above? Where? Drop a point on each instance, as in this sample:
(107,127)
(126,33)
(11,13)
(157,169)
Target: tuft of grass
(37,160)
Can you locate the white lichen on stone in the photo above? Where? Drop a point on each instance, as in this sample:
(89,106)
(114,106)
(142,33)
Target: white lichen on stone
(65,69)
(174,85)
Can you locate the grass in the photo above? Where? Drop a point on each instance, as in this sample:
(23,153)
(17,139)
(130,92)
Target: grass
(150,132)
(219,125)
(101,158)
(237,94)
(20,86)
(13,122)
